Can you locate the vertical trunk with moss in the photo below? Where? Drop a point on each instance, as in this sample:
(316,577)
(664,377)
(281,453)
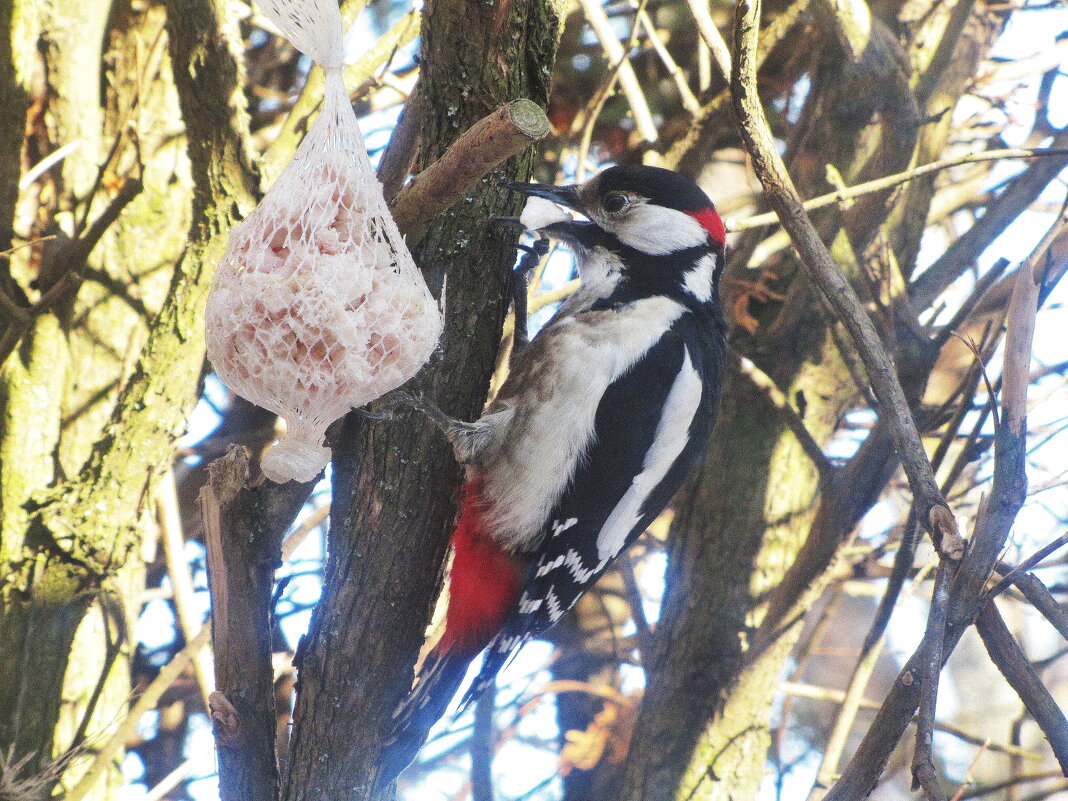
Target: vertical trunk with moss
(98,388)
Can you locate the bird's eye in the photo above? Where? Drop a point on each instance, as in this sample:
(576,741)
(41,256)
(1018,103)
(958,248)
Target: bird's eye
(615,202)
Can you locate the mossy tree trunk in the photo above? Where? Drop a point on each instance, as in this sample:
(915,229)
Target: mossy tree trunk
(103,347)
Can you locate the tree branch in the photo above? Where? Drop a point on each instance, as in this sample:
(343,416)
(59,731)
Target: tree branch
(793,420)
(756,136)
(628,81)
(243,529)
(991,530)
(890,181)
(503,134)
(924,773)
(148,700)
(1024,679)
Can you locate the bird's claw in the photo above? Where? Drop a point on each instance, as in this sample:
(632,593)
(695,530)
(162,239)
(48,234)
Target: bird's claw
(390,403)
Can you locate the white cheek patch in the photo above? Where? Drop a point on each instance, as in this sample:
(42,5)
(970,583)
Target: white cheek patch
(657,230)
(698,281)
(539,212)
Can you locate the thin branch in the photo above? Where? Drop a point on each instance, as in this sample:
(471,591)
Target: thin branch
(711,36)
(1024,679)
(297,536)
(890,181)
(756,136)
(970,773)
(148,700)
(633,595)
(1009,489)
(1039,596)
(982,286)
(686,96)
(170,524)
(924,773)
(1023,778)
(628,81)
(1018,196)
(1028,563)
(802,690)
(173,779)
(852,700)
(504,133)
(992,527)
(777,398)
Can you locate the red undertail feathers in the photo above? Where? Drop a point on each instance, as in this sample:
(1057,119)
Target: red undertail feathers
(485,580)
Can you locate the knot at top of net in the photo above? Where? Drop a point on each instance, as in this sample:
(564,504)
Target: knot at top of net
(313,26)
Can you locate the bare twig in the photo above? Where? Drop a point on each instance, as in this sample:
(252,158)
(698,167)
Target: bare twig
(504,133)
(294,539)
(838,696)
(991,531)
(756,136)
(686,96)
(644,631)
(1010,480)
(1024,679)
(970,773)
(628,81)
(1028,563)
(890,181)
(170,523)
(924,773)
(1023,778)
(173,779)
(711,36)
(777,398)
(852,701)
(148,700)
(1040,598)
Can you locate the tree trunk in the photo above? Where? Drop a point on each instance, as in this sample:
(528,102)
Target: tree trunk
(395,482)
(107,368)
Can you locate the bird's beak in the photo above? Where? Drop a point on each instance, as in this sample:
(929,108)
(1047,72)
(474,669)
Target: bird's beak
(567,196)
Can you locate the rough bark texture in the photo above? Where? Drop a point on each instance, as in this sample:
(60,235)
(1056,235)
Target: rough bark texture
(395,481)
(94,397)
(243,530)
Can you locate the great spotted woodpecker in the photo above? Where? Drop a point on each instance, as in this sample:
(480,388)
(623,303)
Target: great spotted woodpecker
(599,422)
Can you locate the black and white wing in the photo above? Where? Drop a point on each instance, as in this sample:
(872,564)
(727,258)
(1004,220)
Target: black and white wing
(651,427)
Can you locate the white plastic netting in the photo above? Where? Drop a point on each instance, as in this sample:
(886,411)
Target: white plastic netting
(317,306)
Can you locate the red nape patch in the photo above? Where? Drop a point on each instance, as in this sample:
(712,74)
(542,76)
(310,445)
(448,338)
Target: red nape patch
(485,581)
(711,222)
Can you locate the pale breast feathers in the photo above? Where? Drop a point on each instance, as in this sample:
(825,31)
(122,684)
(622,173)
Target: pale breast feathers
(554,399)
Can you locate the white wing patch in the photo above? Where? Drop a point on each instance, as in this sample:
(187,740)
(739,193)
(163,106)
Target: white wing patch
(672,433)
(557,412)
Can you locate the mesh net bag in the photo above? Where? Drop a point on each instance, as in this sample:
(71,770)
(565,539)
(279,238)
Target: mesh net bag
(317,306)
